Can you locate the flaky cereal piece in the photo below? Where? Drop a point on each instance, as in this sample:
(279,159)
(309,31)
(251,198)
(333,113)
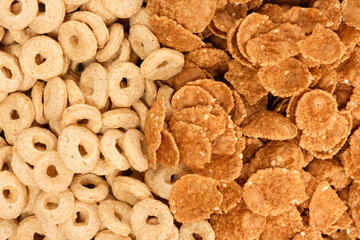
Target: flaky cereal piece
(286,78)
(354,202)
(350,37)
(325,207)
(274,11)
(194,198)
(168,153)
(269,125)
(344,222)
(191,96)
(224,144)
(193,145)
(260,106)
(353,105)
(322,169)
(328,81)
(171,34)
(232,195)
(348,71)
(245,81)
(350,157)
(310,183)
(351,13)
(238,113)
(331,9)
(252,145)
(310,233)
(273,191)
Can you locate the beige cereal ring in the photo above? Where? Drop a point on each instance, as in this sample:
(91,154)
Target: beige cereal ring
(6,158)
(97,7)
(22,19)
(21,36)
(55,99)
(142,40)
(23,170)
(149,96)
(122,55)
(74,93)
(135,149)
(52,231)
(37,93)
(29,228)
(109,235)
(11,76)
(140,108)
(123,8)
(201,228)
(123,118)
(116,36)
(102,167)
(141,17)
(7,228)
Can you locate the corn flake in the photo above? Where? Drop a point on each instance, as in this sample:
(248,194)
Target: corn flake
(232,195)
(224,144)
(331,9)
(310,233)
(252,146)
(291,107)
(322,169)
(168,153)
(273,11)
(343,222)
(238,113)
(348,71)
(351,13)
(354,202)
(328,81)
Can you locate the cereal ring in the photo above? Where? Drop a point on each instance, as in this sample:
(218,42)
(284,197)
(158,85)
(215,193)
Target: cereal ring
(6,158)
(115,39)
(162,64)
(3,96)
(130,190)
(55,99)
(23,170)
(54,207)
(134,85)
(29,228)
(122,55)
(3,143)
(37,93)
(20,20)
(149,96)
(52,231)
(7,228)
(103,167)
(77,40)
(82,115)
(201,228)
(79,149)
(135,149)
(33,55)
(78,67)
(27,83)
(99,9)
(32,193)
(115,216)
(89,188)
(74,93)
(11,76)
(14,196)
(56,127)
(141,17)
(141,110)
(51,174)
(142,40)
(141,226)
(124,8)
(109,235)
(7,38)
(123,118)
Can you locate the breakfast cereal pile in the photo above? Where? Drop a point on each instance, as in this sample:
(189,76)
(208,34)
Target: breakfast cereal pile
(179,119)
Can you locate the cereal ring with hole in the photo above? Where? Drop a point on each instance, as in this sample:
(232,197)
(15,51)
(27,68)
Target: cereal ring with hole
(135,149)
(79,148)
(7,228)
(109,235)
(23,170)
(115,216)
(89,188)
(11,76)
(201,228)
(123,8)
(30,228)
(56,127)
(42,57)
(154,210)
(82,115)
(141,110)
(14,196)
(74,93)
(111,148)
(149,96)
(123,118)
(37,93)
(98,8)
(103,167)
(3,96)
(77,40)
(162,64)
(54,207)
(27,83)
(6,158)
(51,174)
(84,222)
(130,190)
(32,193)
(141,17)
(55,99)
(124,54)
(142,40)
(95,23)
(52,231)
(21,19)
(116,37)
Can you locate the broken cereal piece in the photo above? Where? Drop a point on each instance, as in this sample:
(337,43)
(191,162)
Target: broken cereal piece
(351,13)
(331,9)
(310,233)
(168,153)
(232,195)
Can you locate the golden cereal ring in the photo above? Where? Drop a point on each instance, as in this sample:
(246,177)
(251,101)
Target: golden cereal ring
(115,39)
(51,174)
(51,18)
(52,231)
(130,172)
(3,96)
(141,110)
(54,207)
(95,23)
(2,33)
(123,118)
(83,115)
(109,235)
(74,93)
(27,83)
(3,143)
(32,194)
(22,170)
(201,228)
(141,17)
(29,228)
(7,38)
(79,148)
(89,188)
(77,40)
(142,40)
(22,19)
(55,99)
(122,55)
(5,158)
(11,76)
(56,127)
(134,88)
(14,196)
(36,49)
(37,93)
(78,67)
(93,85)
(71,7)
(111,148)
(98,8)
(135,149)
(21,36)
(115,216)
(162,64)
(102,167)
(130,190)
(151,208)
(123,8)
(7,228)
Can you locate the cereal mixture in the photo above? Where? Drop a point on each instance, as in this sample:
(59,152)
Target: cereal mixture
(179,119)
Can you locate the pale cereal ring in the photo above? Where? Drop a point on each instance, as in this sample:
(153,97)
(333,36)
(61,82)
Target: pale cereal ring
(3,96)
(95,23)
(151,89)
(135,149)
(109,235)
(56,127)
(123,8)
(98,8)
(142,229)
(115,216)
(201,228)
(11,76)
(162,64)
(7,38)
(34,51)
(54,207)
(130,172)
(22,170)
(84,222)
(21,36)
(37,93)
(102,167)
(51,174)
(3,143)
(115,39)
(74,93)
(111,148)
(141,110)
(130,190)
(7,228)
(93,85)
(52,231)
(32,194)
(78,67)
(141,17)
(71,7)
(14,196)
(2,33)
(77,40)
(83,115)
(27,83)
(142,40)
(29,228)
(6,158)
(55,99)
(122,55)
(77,3)
(123,118)
(21,20)
(89,188)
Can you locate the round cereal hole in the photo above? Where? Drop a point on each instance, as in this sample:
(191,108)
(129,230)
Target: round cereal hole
(11,76)
(200,228)
(20,19)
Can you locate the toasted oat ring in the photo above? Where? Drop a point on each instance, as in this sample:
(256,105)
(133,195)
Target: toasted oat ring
(52,231)
(135,149)
(27,83)
(141,110)
(55,99)
(7,228)
(74,93)
(29,228)
(54,208)
(83,115)
(11,76)
(9,20)
(202,228)
(103,168)
(162,64)
(109,210)
(122,55)
(14,196)
(37,93)
(77,40)
(141,17)
(123,8)
(116,37)
(139,220)
(5,158)
(123,118)
(142,40)
(74,3)
(42,47)
(98,8)
(95,23)
(109,235)
(22,170)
